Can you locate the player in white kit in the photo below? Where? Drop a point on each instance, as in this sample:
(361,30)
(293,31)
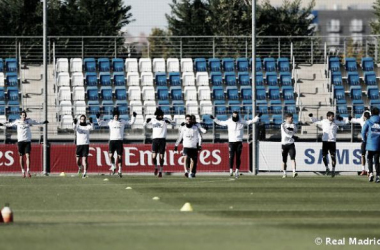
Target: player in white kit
(365,116)
(288,129)
(82,131)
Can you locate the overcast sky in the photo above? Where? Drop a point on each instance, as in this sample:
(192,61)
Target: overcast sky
(148,14)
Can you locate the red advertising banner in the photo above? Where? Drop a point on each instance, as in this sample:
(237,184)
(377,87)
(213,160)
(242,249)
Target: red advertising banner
(9,158)
(137,158)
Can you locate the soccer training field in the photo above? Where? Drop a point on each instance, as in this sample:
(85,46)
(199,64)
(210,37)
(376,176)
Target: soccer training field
(263,212)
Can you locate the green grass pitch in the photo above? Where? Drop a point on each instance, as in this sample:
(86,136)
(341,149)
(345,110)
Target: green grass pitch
(253,212)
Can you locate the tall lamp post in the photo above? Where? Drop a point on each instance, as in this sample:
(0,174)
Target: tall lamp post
(45,80)
(254,137)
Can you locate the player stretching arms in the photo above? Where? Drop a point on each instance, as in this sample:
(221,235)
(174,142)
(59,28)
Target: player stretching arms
(235,137)
(24,137)
(288,129)
(192,143)
(159,125)
(116,137)
(83,142)
(329,128)
(371,137)
(365,116)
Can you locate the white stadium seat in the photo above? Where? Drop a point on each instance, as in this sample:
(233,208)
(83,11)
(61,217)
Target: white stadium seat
(138,122)
(204,93)
(172,64)
(77,79)
(145,65)
(133,79)
(134,93)
(148,93)
(206,107)
(3,119)
(64,94)
(78,94)
(67,122)
(1,79)
(159,65)
(186,65)
(131,65)
(150,107)
(79,108)
(76,65)
(190,93)
(202,79)
(62,65)
(178,119)
(188,79)
(65,108)
(192,107)
(136,106)
(146,78)
(63,79)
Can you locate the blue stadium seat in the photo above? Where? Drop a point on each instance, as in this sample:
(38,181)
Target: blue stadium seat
(262,107)
(342,110)
(374,103)
(12,118)
(218,93)
(120,93)
(259,65)
(220,107)
(2,109)
(93,108)
(271,78)
(91,79)
(92,93)
(221,118)
(214,65)
(242,64)
(274,93)
(232,93)
(358,107)
(1,65)
(14,110)
(10,65)
(12,79)
(118,65)
(228,64)
(200,64)
(260,93)
(104,65)
(336,78)
(119,79)
(275,107)
(356,93)
(283,64)
(165,106)
(351,64)
(207,122)
(176,93)
(265,120)
(12,93)
(174,79)
(259,79)
(286,79)
(288,93)
(106,93)
(247,106)
(107,108)
(105,79)
(162,93)
(269,64)
(367,64)
(230,78)
(244,79)
(234,106)
(353,78)
(290,108)
(89,65)
(123,109)
(370,78)
(246,93)
(339,94)
(125,117)
(277,120)
(373,92)
(178,107)
(160,79)
(2,94)
(216,78)
(334,64)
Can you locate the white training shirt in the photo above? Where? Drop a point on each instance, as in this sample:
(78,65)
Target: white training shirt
(198,125)
(160,127)
(236,129)
(287,134)
(23,128)
(360,120)
(83,133)
(329,129)
(191,137)
(116,127)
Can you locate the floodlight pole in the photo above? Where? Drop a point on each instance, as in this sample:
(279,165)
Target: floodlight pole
(254,137)
(45,81)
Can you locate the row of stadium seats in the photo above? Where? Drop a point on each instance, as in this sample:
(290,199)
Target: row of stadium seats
(10,97)
(350,64)
(171,65)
